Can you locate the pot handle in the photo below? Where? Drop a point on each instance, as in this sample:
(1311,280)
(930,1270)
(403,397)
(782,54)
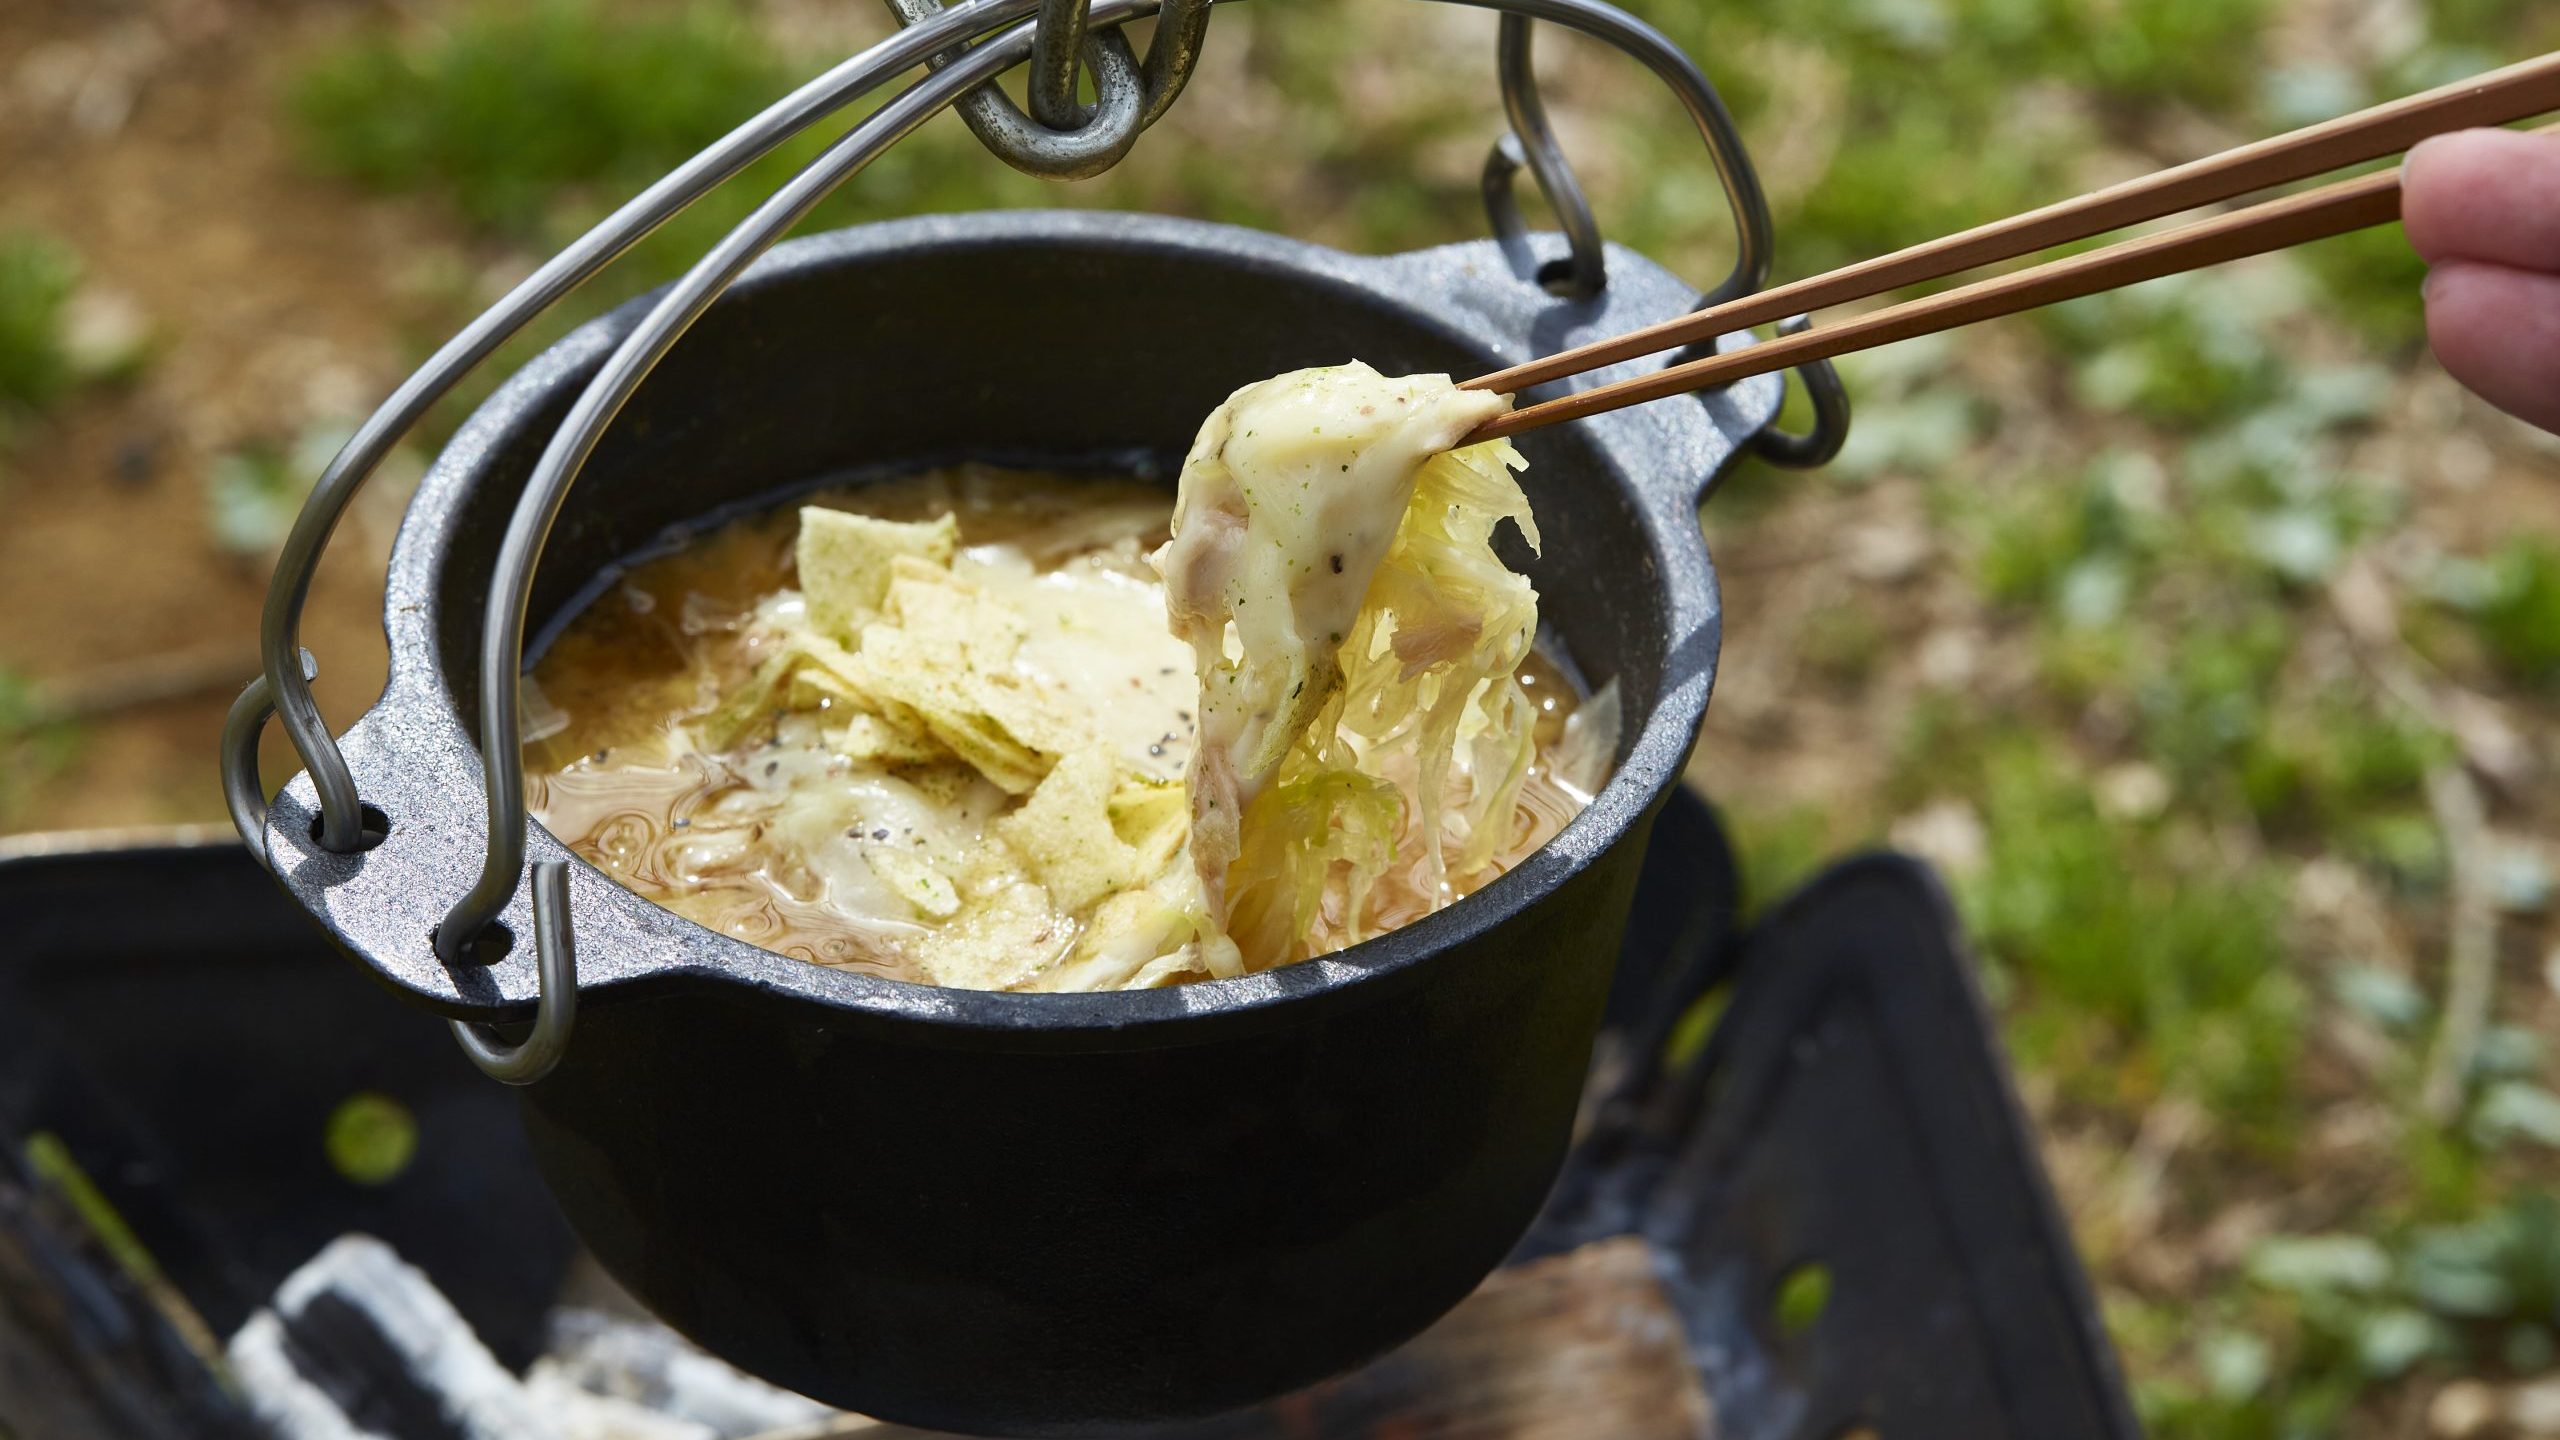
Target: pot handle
(1531,144)
(555,944)
(1814,449)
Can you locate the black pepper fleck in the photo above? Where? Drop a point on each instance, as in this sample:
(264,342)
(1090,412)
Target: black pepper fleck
(881,834)
(1337,564)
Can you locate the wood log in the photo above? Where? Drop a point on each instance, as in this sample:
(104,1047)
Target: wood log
(1579,1346)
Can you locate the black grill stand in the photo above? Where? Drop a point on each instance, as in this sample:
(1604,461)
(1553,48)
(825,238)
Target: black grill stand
(1839,1195)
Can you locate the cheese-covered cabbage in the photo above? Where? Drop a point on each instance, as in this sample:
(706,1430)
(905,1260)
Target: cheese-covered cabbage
(984,742)
(1332,568)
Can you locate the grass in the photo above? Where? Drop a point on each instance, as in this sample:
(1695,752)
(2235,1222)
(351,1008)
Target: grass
(34,747)
(37,277)
(2136,961)
(2331,1315)
(44,357)
(2517,617)
(505,107)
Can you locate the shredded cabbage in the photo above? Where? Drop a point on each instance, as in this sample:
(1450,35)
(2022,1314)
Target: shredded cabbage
(1445,626)
(1059,867)
(1311,707)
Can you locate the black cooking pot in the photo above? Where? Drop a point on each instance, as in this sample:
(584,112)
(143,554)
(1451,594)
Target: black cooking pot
(1041,1214)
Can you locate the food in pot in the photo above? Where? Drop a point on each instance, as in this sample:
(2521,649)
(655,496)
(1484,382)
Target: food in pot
(998,730)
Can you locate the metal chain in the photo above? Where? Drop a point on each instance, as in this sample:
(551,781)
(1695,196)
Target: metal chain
(1062,138)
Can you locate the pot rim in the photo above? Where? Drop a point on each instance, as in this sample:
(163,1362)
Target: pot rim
(417,722)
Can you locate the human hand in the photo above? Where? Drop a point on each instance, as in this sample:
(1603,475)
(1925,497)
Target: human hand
(2483,209)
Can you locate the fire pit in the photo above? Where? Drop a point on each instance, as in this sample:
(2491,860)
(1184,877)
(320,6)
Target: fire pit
(1826,1216)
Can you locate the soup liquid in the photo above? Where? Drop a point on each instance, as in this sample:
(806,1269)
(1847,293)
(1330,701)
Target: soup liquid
(614,771)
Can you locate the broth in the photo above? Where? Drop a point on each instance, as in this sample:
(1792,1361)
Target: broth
(782,839)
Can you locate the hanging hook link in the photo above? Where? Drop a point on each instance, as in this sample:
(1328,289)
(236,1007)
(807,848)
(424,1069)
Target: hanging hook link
(1057,50)
(1062,138)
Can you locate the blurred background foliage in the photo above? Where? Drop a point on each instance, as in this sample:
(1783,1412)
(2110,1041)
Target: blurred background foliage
(2203,634)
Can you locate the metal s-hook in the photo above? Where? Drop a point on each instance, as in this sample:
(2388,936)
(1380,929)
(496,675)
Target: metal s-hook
(1057,55)
(1173,54)
(1094,140)
(555,945)
(1062,138)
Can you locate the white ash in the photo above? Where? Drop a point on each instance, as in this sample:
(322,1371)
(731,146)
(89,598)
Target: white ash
(360,1345)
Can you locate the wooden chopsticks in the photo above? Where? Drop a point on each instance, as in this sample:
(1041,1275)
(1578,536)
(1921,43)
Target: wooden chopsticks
(2500,97)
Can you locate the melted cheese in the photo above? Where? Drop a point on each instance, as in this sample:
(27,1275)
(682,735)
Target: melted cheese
(1289,499)
(1097,631)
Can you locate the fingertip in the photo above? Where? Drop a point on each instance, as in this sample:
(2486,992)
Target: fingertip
(2481,194)
(2416,158)
(2497,330)
(2439,182)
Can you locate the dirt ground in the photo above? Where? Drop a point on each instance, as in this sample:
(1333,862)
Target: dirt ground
(147,144)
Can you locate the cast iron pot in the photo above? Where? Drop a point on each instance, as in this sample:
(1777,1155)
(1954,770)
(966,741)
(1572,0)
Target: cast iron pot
(1041,1214)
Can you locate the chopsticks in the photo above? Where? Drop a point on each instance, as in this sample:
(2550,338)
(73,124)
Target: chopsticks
(2500,97)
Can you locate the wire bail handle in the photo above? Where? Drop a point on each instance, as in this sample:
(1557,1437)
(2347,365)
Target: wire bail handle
(957,69)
